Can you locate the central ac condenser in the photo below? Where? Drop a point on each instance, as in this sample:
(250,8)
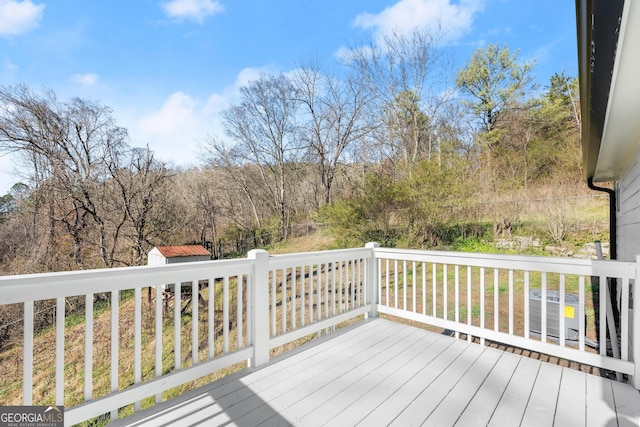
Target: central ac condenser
(569,311)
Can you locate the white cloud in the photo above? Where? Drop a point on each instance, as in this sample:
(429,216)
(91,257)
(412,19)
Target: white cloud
(246,75)
(19,17)
(176,114)
(172,131)
(88,79)
(407,15)
(193,10)
(175,130)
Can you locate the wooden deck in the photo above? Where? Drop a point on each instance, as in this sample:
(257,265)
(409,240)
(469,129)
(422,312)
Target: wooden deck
(385,373)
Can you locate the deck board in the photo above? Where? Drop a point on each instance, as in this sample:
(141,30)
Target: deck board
(395,403)
(511,407)
(386,373)
(435,392)
(571,405)
(458,398)
(541,407)
(600,404)
(362,385)
(481,407)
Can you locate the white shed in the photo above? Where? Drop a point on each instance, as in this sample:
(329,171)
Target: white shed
(161,255)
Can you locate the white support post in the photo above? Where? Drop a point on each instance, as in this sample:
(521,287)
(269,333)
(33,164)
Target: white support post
(371,280)
(260,307)
(635,328)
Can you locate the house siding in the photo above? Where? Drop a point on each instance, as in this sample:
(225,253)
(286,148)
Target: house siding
(628,212)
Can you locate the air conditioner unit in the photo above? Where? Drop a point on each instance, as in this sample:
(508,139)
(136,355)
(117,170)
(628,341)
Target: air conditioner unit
(570,313)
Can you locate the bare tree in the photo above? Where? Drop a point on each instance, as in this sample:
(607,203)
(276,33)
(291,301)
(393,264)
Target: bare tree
(333,119)
(263,130)
(406,74)
(69,146)
(140,185)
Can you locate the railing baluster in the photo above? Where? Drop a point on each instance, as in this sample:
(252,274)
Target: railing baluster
(434,294)
(543,305)
(319,296)
(326,291)
(240,311)
(195,320)
(445,292)
(482,302)
(310,298)
(211,315)
(283,293)
(303,281)
(496,299)
(469,300)
(333,292)
(225,313)
(414,285)
(526,304)
(395,283)
(60,320)
(115,338)
(359,281)
(457,297)
(137,341)
(274,306)
(158,336)
(177,326)
(510,302)
(424,288)
(581,312)
(404,285)
(88,347)
(294,273)
(340,292)
(27,355)
(387,273)
(379,282)
(248,310)
(561,311)
(352,284)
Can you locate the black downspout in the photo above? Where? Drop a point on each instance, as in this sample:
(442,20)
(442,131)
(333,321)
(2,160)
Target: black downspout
(613,254)
(613,241)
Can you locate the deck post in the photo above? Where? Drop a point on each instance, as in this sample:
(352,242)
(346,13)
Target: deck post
(635,327)
(372,280)
(260,307)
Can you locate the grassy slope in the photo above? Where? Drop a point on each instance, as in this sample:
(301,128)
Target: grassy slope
(591,217)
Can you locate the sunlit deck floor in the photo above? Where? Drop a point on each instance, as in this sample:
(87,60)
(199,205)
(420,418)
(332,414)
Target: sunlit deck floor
(385,373)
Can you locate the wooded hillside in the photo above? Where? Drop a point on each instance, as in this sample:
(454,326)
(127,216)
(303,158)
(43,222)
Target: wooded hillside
(390,145)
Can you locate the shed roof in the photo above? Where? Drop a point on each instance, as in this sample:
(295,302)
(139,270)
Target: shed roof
(179,251)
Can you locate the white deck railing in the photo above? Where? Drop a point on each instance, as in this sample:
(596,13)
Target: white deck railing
(229,312)
(490,297)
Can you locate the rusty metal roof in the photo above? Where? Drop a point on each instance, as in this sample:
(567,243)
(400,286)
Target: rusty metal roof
(178,251)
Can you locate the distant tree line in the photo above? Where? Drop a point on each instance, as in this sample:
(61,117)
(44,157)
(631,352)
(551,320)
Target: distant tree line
(394,146)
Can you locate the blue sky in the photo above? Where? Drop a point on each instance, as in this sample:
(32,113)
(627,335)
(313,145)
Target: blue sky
(168,67)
